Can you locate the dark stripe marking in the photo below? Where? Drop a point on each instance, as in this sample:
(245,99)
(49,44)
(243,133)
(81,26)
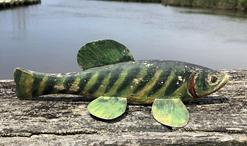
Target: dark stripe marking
(68,82)
(161,81)
(49,85)
(132,73)
(114,77)
(17,76)
(150,73)
(83,82)
(36,84)
(173,86)
(99,81)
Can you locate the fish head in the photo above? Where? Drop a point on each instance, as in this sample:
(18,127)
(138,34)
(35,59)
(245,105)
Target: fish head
(205,82)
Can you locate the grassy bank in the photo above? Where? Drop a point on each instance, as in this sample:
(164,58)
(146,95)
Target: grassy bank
(215,4)
(14,3)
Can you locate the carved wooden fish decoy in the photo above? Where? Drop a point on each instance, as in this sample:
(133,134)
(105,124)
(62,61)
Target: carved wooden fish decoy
(112,78)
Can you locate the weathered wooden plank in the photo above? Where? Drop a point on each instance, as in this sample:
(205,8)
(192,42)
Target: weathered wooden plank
(220,119)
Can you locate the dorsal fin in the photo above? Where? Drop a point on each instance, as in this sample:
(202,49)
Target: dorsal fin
(101,53)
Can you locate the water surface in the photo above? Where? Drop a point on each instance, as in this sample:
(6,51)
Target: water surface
(47,37)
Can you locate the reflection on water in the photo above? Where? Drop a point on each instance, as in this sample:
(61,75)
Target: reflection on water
(233,14)
(47,37)
(18,21)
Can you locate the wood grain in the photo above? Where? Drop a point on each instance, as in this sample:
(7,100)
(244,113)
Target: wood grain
(220,119)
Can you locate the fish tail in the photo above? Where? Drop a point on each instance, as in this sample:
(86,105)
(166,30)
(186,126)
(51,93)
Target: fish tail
(31,84)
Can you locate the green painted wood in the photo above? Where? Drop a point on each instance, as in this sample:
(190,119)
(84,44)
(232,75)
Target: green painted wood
(113,78)
(101,53)
(171,112)
(107,108)
(140,82)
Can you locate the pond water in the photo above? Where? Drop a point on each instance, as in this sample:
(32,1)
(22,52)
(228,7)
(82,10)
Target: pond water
(46,37)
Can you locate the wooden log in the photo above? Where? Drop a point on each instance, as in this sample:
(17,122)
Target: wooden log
(220,119)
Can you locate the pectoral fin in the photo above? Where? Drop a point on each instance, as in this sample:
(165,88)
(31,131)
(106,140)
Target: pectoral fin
(170,112)
(107,108)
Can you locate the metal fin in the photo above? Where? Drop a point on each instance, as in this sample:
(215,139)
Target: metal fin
(107,108)
(171,112)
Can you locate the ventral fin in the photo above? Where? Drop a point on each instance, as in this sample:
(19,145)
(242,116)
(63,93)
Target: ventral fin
(171,112)
(107,108)
(103,52)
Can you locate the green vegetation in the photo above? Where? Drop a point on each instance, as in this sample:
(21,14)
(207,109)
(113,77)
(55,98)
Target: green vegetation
(13,3)
(215,4)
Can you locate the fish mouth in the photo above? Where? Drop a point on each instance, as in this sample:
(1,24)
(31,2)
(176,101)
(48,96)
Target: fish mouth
(223,82)
(192,90)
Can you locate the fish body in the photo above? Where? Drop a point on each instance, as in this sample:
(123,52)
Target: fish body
(114,83)
(140,82)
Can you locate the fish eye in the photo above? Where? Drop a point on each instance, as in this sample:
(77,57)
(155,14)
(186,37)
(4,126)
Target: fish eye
(213,79)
